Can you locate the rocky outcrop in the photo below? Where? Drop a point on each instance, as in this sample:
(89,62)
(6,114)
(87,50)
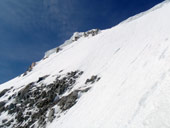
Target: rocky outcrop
(30,68)
(51,115)
(68,101)
(92,80)
(2,93)
(58,49)
(92,32)
(34,104)
(76,36)
(42,78)
(2,106)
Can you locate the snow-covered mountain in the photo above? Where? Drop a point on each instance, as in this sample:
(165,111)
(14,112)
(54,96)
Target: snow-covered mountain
(114,78)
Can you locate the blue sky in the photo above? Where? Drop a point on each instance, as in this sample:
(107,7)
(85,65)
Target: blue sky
(28,28)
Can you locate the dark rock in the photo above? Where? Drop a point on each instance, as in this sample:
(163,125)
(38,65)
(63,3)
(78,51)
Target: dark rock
(4,120)
(28,113)
(42,121)
(87,81)
(13,96)
(91,32)
(67,102)
(2,109)
(72,81)
(76,38)
(2,106)
(42,78)
(34,116)
(2,93)
(29,124)
(36,92)
(93,79)
(43,98)
(23,93)
(61,89)
(60,71)
(12,106)
(73,73)
(43,103)
(10,97)
(80,73)
(98,78)
(32,102)
(25,73)
(43,94)
(19,117)
(26,118)
(31,67)
(8,123)
(13,110)
(2,103)
(58,49)
(51,115)
(51,96)
(85,90)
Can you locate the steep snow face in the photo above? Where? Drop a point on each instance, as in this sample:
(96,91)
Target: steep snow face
(133,63)
(76,36)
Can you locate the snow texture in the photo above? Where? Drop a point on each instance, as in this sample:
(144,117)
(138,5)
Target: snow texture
(133,61)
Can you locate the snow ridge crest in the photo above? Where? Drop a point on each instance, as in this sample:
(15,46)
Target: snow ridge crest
(75,37)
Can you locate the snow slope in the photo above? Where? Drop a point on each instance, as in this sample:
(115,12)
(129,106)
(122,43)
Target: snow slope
(133,62)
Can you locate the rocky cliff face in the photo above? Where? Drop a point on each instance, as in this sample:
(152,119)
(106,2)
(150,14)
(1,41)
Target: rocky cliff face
(33,104)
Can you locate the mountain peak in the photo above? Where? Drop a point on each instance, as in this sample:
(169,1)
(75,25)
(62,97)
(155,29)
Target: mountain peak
(76,36)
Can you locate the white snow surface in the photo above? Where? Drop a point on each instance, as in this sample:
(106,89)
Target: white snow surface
(77,35)
(133,61)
